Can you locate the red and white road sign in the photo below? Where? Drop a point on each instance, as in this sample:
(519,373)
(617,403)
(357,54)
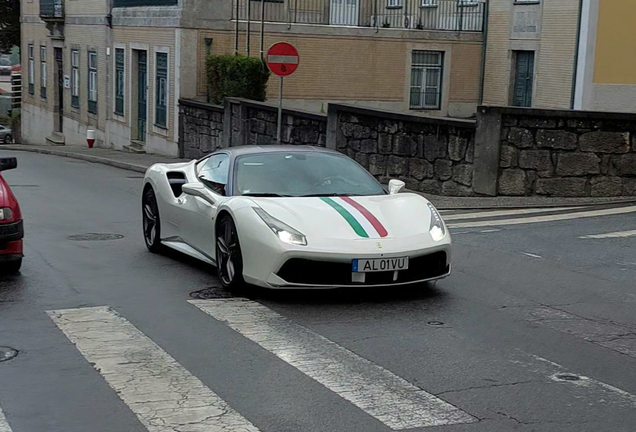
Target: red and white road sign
(282,59)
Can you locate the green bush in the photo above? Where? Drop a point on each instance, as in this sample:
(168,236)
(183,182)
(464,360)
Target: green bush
(236,76)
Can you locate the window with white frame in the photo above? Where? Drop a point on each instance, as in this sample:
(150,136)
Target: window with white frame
(43,72)
(31,69)
(119,81)
(75,78)
(394,3)
(161,96)
(429,3)
(427,68)
(92,82)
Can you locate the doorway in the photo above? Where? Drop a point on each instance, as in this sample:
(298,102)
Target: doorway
(139,95)
(59,96)
(523,79)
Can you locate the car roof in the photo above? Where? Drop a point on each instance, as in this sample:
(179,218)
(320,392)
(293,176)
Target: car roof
(256,149)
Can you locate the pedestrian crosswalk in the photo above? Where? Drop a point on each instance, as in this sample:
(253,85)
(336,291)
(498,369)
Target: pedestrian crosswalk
(494,218)
(166,397)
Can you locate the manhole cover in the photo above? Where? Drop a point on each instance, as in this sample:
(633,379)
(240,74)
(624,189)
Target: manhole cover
(7,353)
(95,237)
(567,377)
(211,293)
(435,323)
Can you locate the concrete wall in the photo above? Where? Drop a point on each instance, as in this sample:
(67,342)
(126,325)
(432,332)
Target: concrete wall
(563,153)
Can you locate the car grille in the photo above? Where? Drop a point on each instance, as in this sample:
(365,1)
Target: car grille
(310,272)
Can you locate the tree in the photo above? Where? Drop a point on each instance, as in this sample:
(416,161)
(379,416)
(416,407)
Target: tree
(9,24)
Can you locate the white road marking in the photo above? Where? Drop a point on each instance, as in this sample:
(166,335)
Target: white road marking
(163,394)
(381,394)
(4,426)
(487,214)
(489,230)
(618,234)
(547,218)
(531,255)
(612,394)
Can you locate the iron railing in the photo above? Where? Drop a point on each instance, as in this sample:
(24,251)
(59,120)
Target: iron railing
(452,15)
(52,9)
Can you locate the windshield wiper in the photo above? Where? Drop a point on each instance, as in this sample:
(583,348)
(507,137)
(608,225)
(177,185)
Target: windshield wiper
(265,195)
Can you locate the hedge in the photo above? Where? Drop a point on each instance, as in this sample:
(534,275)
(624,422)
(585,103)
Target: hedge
(236,76)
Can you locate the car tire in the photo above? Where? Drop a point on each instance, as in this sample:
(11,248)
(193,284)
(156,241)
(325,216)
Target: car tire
(8,139)
(229,260)
(12,267)
(151,222)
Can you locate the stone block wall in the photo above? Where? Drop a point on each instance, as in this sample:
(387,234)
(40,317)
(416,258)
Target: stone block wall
(566,153)
(432,155)
(200,128)
(298,127)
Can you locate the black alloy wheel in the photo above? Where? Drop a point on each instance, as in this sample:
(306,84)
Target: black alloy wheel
(229,261)
(151,221)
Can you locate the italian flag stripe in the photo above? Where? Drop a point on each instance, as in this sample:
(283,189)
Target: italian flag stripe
(348,217)
(359,218)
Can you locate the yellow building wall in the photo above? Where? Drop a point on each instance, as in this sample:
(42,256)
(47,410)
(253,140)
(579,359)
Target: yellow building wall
(615,58)
(498,59)
(355,68)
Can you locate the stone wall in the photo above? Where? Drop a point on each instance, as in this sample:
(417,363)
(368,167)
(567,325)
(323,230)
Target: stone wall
(200,128)
(565,153)
(432,155)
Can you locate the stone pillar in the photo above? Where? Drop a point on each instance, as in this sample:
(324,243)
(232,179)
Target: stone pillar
(487,148)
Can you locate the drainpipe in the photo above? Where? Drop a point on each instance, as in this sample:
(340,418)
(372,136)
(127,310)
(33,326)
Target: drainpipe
(236,30)
(575,69)
(482,72)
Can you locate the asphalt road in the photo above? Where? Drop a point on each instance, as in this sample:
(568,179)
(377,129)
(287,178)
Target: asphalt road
(535,330)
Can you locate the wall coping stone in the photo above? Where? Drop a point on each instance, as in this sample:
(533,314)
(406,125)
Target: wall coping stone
(201,105)
(400,116)
(556,113)
(274,108)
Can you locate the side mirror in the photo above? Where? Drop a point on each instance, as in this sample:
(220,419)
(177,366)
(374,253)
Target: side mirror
(395,186)
(8,163)
(197,190)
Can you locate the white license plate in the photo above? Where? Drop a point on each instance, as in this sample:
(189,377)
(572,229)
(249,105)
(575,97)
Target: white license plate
(380,265)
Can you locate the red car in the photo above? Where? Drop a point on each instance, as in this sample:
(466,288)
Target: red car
(11,227)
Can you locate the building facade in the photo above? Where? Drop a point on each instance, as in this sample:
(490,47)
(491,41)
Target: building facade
(119,67)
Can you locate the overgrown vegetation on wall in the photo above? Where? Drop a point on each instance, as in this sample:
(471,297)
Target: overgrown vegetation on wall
(236,76)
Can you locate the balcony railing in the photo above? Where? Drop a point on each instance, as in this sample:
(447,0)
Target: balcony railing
(450,15)
(52,9)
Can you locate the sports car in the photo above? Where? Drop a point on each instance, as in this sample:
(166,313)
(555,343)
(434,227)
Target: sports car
(293,216)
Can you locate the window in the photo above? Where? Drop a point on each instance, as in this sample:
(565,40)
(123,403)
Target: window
(92,82)
(214,172)
(161,93)
(394,3)
(428,3)
(43,72)
(75,78)
(426,79)
(31,70)
(119,81)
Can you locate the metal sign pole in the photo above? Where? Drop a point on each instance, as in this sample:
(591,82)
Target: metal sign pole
(280,111)
(262,28)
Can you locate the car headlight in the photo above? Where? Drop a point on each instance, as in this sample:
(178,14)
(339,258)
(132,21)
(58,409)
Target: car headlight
(6,213)
(284,232)
(437,228)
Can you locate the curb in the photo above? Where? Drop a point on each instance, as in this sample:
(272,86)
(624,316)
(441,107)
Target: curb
(88,158)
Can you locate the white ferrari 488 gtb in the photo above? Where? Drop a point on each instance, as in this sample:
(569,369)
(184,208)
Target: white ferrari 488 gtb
(293,216)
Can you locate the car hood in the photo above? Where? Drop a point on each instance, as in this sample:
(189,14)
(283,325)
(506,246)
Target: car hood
(352,218)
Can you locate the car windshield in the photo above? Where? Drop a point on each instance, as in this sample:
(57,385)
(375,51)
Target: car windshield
(302,174)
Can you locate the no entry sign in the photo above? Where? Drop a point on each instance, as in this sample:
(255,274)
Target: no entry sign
(282,59)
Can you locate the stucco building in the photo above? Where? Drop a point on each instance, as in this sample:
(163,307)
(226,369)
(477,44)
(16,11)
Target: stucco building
(119,67)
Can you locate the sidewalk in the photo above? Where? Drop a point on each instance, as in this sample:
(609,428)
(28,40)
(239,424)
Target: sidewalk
(141,162)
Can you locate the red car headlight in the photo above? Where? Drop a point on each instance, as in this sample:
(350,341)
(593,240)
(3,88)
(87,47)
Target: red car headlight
(6,214)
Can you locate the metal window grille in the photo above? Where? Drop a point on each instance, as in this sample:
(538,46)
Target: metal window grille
(427,68)
(43,72)
(31,71)
(75,78)
(161,99)
(119,81)
(92,82)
